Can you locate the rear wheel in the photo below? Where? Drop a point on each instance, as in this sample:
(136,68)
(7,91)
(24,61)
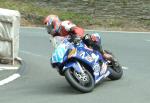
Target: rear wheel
(115,68)
(83,82)
(115,72)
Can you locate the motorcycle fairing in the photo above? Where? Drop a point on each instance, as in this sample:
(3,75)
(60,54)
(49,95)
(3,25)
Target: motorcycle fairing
(59,53)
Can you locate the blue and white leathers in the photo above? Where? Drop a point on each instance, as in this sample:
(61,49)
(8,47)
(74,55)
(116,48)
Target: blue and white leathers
(76,54)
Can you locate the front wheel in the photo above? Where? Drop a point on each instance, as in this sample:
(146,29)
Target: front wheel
(82,82)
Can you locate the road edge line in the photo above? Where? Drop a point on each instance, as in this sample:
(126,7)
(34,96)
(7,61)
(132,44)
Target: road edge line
(91,30)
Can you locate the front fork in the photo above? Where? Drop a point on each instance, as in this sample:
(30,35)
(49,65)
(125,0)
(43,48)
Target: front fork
(76,65)
(78,71)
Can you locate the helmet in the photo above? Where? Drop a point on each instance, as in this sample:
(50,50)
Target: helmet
(96,38)
(52,23)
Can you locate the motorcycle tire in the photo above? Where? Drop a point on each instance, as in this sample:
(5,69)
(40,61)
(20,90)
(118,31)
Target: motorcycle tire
(75,82)
(115,72)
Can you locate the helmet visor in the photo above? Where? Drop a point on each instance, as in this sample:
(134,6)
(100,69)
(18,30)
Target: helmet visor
(49,28)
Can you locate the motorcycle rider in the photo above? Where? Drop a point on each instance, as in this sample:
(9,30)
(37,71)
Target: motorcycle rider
(55,27)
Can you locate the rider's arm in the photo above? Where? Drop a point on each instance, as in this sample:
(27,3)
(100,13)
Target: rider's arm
(72,28)
(77,31)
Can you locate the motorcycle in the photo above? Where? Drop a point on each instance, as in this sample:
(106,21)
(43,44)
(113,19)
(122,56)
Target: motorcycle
(82,67)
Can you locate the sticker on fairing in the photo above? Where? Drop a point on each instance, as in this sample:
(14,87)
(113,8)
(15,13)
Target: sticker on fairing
(82,54)
(96,69)
(58,54)
(104,68)
(89,58)
(96,57)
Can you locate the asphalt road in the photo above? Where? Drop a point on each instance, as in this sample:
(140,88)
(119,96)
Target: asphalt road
(39,83)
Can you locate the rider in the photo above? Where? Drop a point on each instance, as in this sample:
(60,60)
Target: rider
(55,27)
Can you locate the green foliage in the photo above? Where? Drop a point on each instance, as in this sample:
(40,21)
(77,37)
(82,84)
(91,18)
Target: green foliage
(145,22)
(77,18)
(119,12)
(35,14)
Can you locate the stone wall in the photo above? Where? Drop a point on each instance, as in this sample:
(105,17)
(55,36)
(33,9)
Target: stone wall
(134,9)
(106,13)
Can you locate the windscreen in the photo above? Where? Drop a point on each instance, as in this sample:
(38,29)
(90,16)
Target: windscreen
(56,41)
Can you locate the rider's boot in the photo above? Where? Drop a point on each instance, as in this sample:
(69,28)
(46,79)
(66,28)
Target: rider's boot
(109,57)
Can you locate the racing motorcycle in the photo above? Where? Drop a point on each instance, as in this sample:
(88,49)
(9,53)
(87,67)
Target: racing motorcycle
(82,67)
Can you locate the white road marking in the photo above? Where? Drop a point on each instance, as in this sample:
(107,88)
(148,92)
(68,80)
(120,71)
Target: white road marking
(26,27)
(93,30)
(125,68)
(147,40)
(9,79)
(30,53)
(9,68)
(118,31)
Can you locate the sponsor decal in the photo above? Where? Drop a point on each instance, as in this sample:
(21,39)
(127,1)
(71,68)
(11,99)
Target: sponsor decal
(104,68)
(82,54)
(95,57)
(72,53)
(96,68)
(89,58)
